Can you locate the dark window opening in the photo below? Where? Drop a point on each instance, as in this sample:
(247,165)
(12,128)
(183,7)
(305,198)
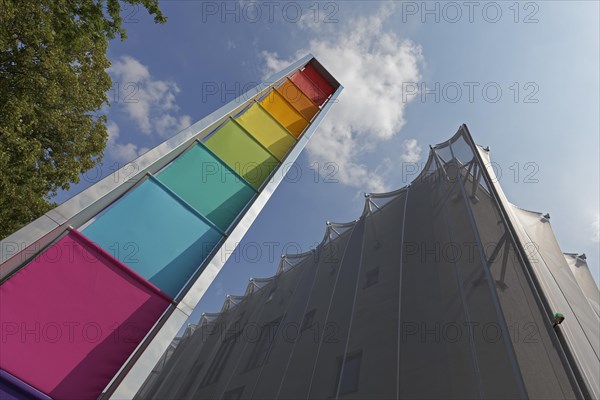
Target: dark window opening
(238,325)
(218,363)
(271,293)
(260,352)
(350,372)
(309,320)
(233,394)
(193,373)
(371,277)
(212,327)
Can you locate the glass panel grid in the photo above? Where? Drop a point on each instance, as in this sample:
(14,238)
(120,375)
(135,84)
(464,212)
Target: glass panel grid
(156,235)
(208,185)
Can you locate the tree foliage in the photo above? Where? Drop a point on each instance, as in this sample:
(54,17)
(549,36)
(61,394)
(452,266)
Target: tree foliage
(53,83)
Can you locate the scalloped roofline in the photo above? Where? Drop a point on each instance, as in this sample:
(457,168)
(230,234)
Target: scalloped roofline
(251,288)
(367,210)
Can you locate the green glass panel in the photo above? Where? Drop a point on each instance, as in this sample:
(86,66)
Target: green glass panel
(208,185)
(242,153)
(267,130)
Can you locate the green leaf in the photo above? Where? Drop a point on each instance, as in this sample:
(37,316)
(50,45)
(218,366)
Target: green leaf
(53,83)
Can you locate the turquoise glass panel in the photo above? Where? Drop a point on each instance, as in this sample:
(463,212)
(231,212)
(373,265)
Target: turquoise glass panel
(155,235)
(208,185)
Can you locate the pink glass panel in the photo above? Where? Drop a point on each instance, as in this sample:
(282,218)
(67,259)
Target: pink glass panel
(72,316)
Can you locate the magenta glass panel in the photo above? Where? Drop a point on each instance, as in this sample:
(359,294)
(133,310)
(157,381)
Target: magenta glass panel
(72,316)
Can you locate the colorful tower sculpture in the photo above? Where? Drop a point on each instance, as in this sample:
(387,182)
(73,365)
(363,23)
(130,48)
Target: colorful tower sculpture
(95,290)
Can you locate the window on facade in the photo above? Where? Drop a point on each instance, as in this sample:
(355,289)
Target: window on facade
(193,373)
(348,373)
(271,293)
(238,325)
(218,363)
(260,352)
(233,394)
(309,319)
(371,277)
(211,328)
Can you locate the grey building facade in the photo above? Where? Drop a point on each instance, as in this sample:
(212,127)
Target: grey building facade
(442,289)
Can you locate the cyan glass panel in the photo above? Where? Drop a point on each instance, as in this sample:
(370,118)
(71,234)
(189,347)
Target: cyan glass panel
(208,185)
(155,235)
(242,153)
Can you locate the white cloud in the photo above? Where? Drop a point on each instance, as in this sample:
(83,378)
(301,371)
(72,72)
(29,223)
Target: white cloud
(371,63)
(310,21)
(273,63)
(122,152)
(167,124)
(149,102)
(411,151)
(596,229)
(219,287)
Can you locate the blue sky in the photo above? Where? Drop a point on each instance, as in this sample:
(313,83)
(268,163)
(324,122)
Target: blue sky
(543,128)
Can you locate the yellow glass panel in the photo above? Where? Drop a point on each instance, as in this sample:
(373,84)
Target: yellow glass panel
(298,99)
(266,130)
(237,149)
(284,112)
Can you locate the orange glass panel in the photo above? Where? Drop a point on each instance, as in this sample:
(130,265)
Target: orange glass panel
(285,113)
(298,99)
